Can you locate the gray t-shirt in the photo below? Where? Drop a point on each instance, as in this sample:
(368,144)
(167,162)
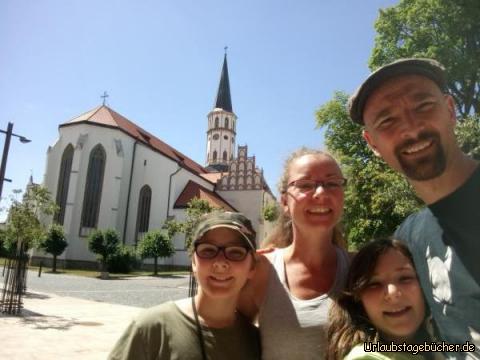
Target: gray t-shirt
(164,332)
(291,328)
(451,293)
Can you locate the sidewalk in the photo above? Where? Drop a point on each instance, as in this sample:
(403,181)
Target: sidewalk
(55,327)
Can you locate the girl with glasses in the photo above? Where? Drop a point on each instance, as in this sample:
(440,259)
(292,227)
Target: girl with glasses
(293,287)
(206,326)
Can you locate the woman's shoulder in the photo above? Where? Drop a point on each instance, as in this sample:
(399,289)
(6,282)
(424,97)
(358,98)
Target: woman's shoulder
(253,293)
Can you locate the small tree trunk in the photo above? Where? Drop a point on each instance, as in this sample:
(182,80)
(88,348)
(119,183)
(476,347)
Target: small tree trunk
(54,267)
(104,273)
(155,266)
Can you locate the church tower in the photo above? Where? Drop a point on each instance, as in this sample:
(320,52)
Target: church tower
(222,124)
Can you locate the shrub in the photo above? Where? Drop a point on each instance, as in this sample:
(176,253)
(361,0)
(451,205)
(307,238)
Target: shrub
(123,260)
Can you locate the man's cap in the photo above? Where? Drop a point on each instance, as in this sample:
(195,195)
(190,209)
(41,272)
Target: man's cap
(231,220)
(429,68)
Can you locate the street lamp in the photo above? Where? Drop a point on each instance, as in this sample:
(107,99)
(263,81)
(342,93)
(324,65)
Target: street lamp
(6,147)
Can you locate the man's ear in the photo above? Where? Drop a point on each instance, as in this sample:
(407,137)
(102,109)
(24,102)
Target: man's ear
(451,108)
(370,143)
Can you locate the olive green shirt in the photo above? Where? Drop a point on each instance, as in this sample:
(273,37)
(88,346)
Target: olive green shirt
(165,332)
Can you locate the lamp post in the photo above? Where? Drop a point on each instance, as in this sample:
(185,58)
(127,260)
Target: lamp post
(9,133)
(15,279)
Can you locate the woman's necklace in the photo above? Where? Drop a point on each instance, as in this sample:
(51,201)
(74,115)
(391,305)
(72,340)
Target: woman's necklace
(201,339)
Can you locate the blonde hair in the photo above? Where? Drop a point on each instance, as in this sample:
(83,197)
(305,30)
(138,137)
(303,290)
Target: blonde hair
(282,234)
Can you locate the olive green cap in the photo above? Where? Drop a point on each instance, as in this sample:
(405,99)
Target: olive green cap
(231,220)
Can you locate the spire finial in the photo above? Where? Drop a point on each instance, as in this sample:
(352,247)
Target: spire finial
(225,48)
(104,96)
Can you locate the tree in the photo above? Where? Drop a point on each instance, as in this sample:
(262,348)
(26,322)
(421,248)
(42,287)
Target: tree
(54,243)
(270,212)
(104,244)
(3,243)
(377,199)
(468,136)
(446,30)
(23,222)
(155,244)
(195,208)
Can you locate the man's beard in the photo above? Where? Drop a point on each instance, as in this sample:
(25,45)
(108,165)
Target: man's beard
(426,167)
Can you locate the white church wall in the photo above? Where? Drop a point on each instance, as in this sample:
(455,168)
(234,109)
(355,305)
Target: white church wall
(84,138)
(153,169)
(249,202)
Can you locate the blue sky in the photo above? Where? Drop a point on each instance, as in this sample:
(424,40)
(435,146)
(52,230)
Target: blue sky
(160,62)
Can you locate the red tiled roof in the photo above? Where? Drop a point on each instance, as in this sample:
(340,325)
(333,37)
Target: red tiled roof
(194,190)
(104,116)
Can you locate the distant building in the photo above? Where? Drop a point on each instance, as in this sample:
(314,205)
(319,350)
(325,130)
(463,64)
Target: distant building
(104,171)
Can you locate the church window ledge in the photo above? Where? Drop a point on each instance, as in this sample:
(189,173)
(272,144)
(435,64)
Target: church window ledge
(86,231)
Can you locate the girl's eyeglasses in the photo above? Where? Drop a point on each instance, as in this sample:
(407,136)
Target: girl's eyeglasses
(210,251)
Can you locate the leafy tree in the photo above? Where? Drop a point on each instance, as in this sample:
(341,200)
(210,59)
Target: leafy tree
(23,221)
(195,208)
(270,212)
(376,199)
(3,243)
(468,136)
(104,244)
(446,30)
(155,244)
(54,243)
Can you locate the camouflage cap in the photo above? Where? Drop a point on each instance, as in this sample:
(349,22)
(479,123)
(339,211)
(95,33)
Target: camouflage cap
(429,68)
(231,220)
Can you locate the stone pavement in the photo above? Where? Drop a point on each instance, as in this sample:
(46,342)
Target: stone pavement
(60,327)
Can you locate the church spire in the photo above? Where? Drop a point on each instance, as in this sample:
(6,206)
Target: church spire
(223,100)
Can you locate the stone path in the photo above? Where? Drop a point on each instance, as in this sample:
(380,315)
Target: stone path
(56,326)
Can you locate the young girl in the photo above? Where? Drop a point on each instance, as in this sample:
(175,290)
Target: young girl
(206,326)
(293,286)
(382,303)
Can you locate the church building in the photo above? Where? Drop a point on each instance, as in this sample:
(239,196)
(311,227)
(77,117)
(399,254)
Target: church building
(104,171)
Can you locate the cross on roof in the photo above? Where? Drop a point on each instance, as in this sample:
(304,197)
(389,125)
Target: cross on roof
(104,96)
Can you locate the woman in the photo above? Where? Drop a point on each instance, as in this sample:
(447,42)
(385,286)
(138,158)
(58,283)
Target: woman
(291,291)
(381,304)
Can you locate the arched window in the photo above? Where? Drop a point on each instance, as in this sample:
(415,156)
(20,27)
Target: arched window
(216,122)
(63,182)
(93,189)
(143,211)
(225,156)
(214,155)
(226,122)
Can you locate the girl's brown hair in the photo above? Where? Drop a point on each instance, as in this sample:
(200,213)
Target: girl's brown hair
(349,323)
(282,234)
